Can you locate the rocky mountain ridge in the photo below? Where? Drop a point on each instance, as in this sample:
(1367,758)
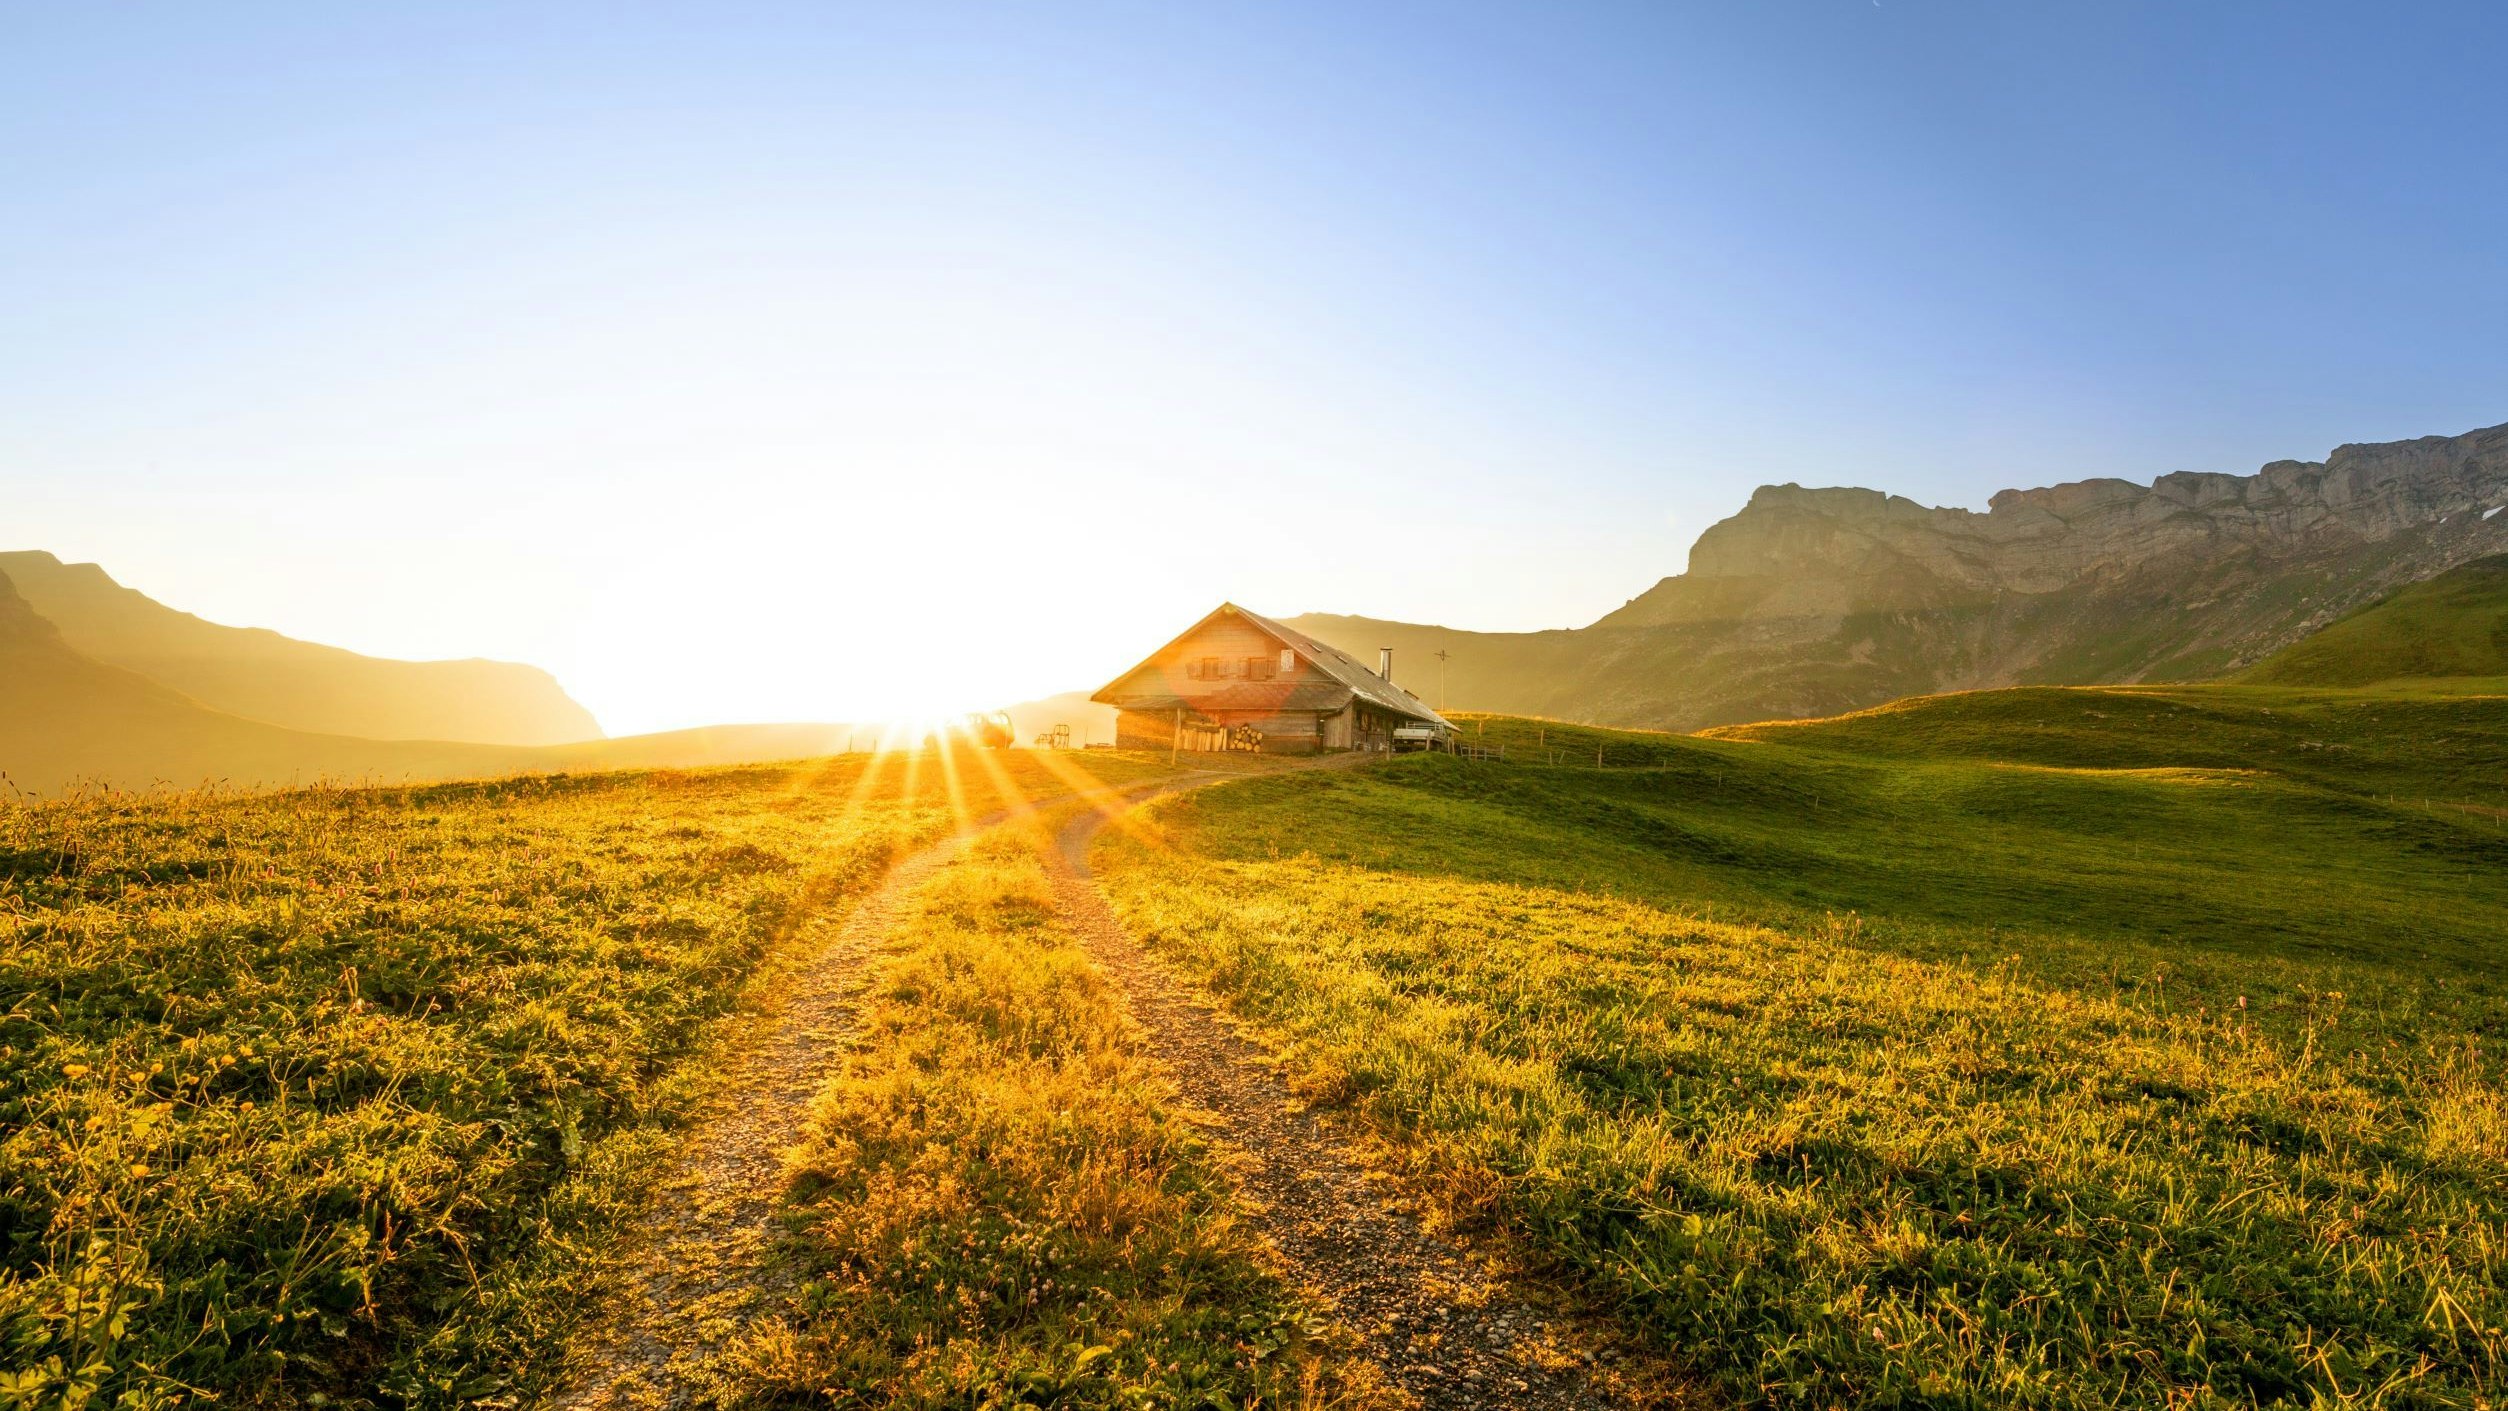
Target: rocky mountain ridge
(2048,539)
(1813,601)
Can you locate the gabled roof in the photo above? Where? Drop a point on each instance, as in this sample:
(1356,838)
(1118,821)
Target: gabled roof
(1333,662)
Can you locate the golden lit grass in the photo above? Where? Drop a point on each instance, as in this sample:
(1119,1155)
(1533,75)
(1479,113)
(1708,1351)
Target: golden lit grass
(997,1202)
(2434,740)
(334,1091)
(1900,1081)
(1828,1175)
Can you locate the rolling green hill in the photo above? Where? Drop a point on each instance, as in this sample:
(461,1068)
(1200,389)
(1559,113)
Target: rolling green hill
(2062,1048)
(260,675)
(2441,742)
(2070,1048)
(2454,625)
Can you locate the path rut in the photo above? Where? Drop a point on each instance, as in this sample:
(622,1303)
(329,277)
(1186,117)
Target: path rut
(714,1220)
(1441,1325)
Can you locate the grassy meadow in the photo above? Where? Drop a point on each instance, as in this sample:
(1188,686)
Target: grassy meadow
(332,1097)
(2038,1048)
(2054,1048)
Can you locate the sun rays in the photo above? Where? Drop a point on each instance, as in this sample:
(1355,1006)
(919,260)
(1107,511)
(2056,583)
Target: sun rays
(1106,798)
(926,768)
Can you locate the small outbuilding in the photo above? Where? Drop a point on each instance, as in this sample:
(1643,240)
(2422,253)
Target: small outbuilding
(1237,680)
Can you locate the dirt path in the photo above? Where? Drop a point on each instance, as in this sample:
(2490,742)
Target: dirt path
(700,1265)
(713,1222)
(1442,1326)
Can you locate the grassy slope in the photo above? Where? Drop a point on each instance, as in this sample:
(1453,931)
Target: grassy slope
(325,1092)
(1868,1065)
(2434,740)
(2454,625)
(2232,831)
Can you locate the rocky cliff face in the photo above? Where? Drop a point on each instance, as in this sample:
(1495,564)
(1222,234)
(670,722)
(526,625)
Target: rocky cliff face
(1871,548)
(1813,601)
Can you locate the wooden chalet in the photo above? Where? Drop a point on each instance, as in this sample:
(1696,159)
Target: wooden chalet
(1238,680)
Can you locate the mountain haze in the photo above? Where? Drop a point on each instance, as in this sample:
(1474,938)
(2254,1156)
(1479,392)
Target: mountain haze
(1814,601)
(260,675)
(68,721)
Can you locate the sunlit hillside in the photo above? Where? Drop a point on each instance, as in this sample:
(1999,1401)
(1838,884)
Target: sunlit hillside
(1945,1052)
(2052,1048)
(2452,626)
(336,1095)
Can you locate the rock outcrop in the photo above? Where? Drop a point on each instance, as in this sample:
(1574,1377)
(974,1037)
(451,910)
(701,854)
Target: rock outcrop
(1858,543)
(1813,601)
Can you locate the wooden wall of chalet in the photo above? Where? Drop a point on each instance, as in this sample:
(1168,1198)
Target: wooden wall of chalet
(1230,659)
(1225,656)
(1230,646)
(1289,732)
(1144,729)
(1371,729)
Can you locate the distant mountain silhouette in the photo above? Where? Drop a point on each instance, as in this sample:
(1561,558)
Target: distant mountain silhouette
(260,675)
(1811,602)
(68,721)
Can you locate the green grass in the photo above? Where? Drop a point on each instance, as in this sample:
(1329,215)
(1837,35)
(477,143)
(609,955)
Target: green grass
(333,1097)
(2064,1048)
(2443,742)
(2051,1048)
(998,1202)
(2235,842)
(2454,625)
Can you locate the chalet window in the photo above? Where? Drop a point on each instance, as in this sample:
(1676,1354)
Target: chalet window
(1213,669)
(1258,669)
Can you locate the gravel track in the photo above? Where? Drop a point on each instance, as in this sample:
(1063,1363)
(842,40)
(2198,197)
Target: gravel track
(1441,1323)
(702,1266)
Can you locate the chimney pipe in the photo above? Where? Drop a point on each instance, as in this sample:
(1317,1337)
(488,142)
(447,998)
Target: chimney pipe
(1384,662)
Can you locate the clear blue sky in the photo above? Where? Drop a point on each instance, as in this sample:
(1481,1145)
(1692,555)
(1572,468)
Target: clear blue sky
(716,355)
